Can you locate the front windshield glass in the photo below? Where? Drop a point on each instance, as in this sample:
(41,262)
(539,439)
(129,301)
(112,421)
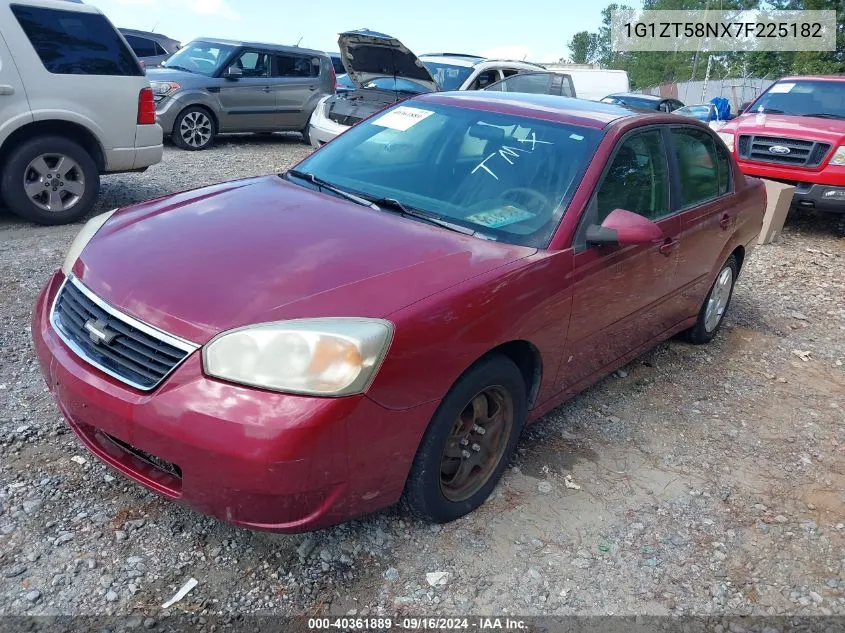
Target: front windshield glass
(200,57)
(447,76)
(506,177)
(804,98)
(399,85)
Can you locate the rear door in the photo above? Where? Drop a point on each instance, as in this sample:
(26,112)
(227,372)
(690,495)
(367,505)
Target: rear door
(296,83)
(708,208)
(622,295)
(249,102)
(14,106)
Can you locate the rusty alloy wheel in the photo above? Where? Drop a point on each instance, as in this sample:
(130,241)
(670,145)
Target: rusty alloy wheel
(476,444)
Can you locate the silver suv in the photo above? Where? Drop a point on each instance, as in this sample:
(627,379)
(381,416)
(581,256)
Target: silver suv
(212,86)
(74,104)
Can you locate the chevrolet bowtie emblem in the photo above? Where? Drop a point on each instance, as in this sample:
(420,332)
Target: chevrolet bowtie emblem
(99,332)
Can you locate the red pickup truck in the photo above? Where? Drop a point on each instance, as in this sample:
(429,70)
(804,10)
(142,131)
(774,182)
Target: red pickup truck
(795,133)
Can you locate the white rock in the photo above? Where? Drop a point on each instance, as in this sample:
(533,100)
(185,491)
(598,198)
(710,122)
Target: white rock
(78,459)
(438,578)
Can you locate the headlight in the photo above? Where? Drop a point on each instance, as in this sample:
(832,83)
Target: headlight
(82,238)
(321,357)
(162,88)
(728,139)
(838,157)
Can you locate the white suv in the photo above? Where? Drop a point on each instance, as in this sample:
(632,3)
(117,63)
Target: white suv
(74,104)
(385,71)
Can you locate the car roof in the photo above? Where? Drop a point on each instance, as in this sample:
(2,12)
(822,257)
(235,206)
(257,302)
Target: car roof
(149,34)
(813,77)
(637,95)
(549,107)
(273,47)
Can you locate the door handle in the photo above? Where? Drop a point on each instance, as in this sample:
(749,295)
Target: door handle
(669,246)
(312,87)
(726,221)
(266,89)
(6,90)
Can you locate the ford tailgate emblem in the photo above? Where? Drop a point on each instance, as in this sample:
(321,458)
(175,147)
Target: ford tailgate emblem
(779,149)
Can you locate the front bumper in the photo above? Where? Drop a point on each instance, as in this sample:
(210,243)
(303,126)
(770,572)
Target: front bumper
(822,197)
(254,458)
(322,129)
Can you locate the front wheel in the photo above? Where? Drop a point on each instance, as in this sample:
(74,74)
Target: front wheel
(194,129)
(50,180)
(715,306)
(468,443)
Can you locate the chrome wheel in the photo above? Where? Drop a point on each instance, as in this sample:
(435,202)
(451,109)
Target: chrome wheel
(195,129)
(476,444)
(717,303)
(54,182)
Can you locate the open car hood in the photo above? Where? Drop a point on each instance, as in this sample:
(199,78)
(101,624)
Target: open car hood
(368,55)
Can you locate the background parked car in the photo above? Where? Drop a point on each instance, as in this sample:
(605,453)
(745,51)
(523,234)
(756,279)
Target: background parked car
(211,86)
(370,57)
(74,104)
(644,102)
(150,48)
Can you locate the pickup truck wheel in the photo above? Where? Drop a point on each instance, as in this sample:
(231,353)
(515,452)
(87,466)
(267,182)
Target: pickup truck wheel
(468,443)
(716,304)
(50,180)
(194,129)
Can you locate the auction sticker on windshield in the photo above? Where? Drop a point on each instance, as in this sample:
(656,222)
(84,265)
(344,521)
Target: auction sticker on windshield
(402,118)
(501,217)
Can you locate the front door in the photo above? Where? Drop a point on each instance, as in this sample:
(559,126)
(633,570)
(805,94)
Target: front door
(249,102)
(620,292)
(13,101)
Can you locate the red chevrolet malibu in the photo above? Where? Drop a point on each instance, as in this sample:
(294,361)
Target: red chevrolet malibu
(291,351)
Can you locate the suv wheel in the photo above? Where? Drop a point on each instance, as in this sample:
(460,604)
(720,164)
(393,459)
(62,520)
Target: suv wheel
(50,180)
(194,129)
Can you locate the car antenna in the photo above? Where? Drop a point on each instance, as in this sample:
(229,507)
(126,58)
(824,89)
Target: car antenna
(155,26)
(298,41)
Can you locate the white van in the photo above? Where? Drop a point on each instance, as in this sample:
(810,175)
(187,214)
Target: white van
(594,83)
(74,104)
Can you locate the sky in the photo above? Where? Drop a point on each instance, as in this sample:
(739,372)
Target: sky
(537,30)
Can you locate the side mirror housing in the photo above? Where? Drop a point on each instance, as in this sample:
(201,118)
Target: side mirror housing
(623,228)
(233,73)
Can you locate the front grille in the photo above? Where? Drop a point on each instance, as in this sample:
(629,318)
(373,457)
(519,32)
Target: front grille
(802,153)
(344,119)
(131,351)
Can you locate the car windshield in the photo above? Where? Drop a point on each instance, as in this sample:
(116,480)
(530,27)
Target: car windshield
(804,98)
(505,177)
(447,76)
(204,58)
(634,102)
(697,112)
(399,85)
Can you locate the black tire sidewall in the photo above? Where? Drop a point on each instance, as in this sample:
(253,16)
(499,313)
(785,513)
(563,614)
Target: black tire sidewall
(423,495)
(176,136)
(15,195)
(698,334)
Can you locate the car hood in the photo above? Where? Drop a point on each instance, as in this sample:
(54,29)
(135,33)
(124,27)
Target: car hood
(368,55)
(251,251)
(182,77)
(811,128)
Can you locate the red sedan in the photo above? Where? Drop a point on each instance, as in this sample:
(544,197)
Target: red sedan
(291,351)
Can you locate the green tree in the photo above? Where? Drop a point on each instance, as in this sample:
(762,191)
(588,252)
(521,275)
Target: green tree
(583,47)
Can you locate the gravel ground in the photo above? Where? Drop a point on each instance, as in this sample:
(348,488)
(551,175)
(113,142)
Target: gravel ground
(699,480)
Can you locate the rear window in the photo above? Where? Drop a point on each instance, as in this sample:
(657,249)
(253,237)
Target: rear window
(75,43)
(141,46)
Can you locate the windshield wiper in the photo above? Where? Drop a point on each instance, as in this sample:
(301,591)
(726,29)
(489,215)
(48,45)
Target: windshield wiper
(392,204)
(826,115)
(323,184)
(766,111)
(187,70)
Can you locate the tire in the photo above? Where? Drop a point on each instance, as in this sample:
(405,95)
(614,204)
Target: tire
(66,196)
(839,225)
(306,134)
(433,491)
(194,129)
(712,315)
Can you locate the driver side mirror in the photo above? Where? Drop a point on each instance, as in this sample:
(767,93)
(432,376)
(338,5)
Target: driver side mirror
(233,73)
(623,228)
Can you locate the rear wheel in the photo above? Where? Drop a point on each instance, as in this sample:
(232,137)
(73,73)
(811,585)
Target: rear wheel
(50,180)
(194,129)
(469,442)
(715,306)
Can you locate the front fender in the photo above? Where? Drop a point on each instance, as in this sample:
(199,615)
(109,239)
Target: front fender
(175,104)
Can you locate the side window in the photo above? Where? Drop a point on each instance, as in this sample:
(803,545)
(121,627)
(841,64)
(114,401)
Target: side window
(703,167)
(160,49)
(254,64)
(485,79)
(638,178)
(297,66)
(141,46)
(509,72)
(75,43)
